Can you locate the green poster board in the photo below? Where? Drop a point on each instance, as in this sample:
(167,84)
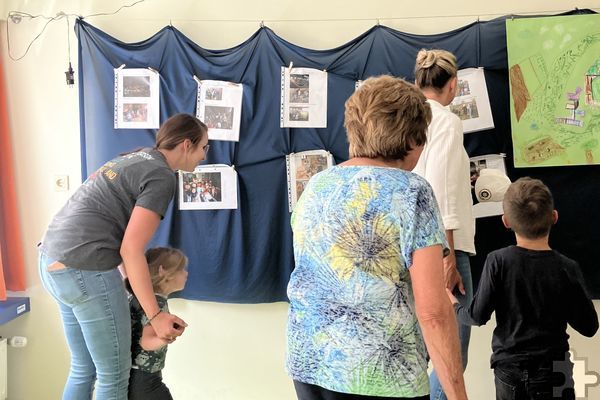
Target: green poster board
(554,73)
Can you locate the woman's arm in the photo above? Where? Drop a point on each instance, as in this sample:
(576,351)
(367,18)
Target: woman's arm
(150,341)
(140,229)
(437,320)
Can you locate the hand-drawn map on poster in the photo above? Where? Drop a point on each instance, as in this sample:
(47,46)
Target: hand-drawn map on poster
(554,71)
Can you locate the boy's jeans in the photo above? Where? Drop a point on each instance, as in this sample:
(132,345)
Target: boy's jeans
(539,383)
(464,331)
(95,315)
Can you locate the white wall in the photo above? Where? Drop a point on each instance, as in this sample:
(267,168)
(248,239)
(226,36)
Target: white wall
(229,352)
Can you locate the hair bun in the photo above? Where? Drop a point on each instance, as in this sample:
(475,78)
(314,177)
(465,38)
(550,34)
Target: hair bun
(426,58)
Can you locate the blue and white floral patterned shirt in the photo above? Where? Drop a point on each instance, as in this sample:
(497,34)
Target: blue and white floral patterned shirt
(352,326)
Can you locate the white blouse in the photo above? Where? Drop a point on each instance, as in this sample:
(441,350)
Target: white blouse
(445,164)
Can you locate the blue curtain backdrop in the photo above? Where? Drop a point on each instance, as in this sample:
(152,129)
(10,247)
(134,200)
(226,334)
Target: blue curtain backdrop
(245,255)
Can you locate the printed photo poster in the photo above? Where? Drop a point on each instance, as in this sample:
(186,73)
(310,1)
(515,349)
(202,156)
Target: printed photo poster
(495,161)
(136,98)
(554,76)
(472,103)
(303,98)
(209,187)
(219,106)
(301,167)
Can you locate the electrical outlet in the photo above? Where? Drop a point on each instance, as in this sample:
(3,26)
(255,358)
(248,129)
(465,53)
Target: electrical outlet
(61,183)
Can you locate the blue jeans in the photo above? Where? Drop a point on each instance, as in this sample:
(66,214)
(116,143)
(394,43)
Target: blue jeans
(95,314)
(538,383)
(464,331)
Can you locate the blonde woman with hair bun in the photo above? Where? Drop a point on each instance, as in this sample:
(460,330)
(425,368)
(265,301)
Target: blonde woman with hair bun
(445,164)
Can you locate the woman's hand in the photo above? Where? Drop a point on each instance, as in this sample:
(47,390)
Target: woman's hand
(168,326)
(452,298)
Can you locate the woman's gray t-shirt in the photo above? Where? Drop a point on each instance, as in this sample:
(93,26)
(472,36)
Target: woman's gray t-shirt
(87,232)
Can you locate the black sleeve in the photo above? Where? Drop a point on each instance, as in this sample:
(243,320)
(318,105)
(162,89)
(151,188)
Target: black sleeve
(583,317)
(481,308)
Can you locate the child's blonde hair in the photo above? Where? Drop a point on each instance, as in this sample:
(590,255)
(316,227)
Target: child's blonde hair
(172,261)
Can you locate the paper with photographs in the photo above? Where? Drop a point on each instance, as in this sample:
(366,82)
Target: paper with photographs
(495,161)
(303,98)
(472,103)
(219,106)
(301,167)
(136,98)
(209,187)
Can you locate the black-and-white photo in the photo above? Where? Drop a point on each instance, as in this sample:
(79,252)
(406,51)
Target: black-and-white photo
(299,95)
(214,93)
(299,113)
(216,117)
(136,86)
(299,81)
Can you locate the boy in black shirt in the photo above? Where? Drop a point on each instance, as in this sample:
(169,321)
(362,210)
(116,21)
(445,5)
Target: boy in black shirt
(536,292)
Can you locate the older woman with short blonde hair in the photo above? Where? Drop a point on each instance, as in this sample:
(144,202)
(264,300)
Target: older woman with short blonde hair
(367,300)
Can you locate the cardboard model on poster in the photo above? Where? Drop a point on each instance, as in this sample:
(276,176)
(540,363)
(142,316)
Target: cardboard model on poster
(219,106)
(136,98)
(301,167)
(209,187)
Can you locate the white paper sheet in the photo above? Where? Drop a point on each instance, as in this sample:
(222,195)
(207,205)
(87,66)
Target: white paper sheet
(209,187)
(301,167)
(495,161)
(303,98)
(136,98)
(219,106)
(472,103)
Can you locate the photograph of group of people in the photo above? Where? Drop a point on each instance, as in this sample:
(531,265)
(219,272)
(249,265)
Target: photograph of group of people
(136,86)
(135,112)
(216,117)
(201,187)
(466,109)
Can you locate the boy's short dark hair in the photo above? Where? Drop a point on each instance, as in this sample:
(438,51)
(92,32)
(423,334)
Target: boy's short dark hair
(528,205)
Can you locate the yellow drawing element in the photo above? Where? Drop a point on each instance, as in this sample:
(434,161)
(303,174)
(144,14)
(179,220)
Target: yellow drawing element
(541,149)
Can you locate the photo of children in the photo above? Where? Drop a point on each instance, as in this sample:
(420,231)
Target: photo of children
(135,112)
(136,86)
(216,117)
(201,187)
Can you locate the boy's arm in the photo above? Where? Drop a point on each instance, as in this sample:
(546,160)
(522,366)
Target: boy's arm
(583,317)
(150,341)
(481,308)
